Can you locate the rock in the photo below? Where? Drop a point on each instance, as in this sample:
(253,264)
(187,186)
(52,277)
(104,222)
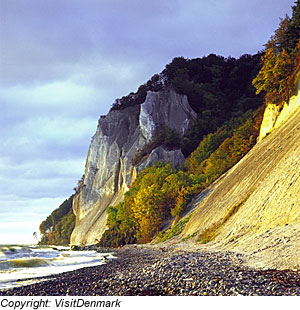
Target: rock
(271,114)
(275,115)
(109,171)
(74,248)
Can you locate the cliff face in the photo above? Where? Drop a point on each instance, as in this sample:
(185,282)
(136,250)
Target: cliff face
(274,116)
(109,171)
(254,207)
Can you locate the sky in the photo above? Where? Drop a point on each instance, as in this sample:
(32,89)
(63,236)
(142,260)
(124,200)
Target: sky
(64,62)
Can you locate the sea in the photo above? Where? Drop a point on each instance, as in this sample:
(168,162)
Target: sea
(24,264)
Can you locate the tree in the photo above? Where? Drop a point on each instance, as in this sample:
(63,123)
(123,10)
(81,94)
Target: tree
(280,68)
(265,81)
(274,76)
(282,71)
(295,24)
(148,211)
(280,40)
(35,236)
(58,226)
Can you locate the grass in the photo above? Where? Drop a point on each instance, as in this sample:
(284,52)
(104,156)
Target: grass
(211,232)
(190,236)
(174,231)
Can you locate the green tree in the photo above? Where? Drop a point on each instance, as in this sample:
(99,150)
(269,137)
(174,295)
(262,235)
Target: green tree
(59,225)
(274,76)
(280,68)
(265,80)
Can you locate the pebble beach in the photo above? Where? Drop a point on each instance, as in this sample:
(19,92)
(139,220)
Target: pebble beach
(166,271)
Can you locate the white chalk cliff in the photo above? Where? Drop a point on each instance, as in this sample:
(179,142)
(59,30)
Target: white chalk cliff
(275,116)
(109,171)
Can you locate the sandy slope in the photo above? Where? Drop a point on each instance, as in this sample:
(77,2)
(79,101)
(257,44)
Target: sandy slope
(255,207)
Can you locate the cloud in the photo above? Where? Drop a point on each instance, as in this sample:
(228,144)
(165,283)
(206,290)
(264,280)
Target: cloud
(49,40)
(27,185)
(20,217)
(64,62)
(52,39)
(32,206)
(47,138)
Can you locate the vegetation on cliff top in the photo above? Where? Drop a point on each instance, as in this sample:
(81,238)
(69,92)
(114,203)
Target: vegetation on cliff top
(217,88)
(281,61)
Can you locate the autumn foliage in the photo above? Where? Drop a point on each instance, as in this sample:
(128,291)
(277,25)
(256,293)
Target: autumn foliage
(161,192)
(280,70)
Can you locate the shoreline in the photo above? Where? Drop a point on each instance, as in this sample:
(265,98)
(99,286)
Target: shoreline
(165,270)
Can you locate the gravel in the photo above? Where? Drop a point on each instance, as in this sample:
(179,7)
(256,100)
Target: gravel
(166,271)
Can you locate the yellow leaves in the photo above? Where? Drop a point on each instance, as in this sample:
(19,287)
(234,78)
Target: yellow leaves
(145,201)
(147,210)
(276,76)
(160,191)
(181,200)
(236,142)
(264,81)
(284,44)
(282,70)
(156,192)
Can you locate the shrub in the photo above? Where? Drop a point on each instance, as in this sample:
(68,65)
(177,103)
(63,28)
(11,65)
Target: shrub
(174,231)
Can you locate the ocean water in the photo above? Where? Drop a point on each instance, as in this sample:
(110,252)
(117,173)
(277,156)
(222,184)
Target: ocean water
(21,264)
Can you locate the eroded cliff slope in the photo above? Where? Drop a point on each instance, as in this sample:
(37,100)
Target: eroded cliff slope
(109,170)
(255,207)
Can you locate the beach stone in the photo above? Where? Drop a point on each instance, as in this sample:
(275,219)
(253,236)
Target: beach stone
(149,271)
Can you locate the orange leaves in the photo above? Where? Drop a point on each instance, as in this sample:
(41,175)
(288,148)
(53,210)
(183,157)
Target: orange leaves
(160,191)
(280,69)
(264,81)
(153,201)
(275,76)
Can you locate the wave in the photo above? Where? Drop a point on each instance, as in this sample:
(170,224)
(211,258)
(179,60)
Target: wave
(24,252)
(28,262)
(21,262)
(13,249)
